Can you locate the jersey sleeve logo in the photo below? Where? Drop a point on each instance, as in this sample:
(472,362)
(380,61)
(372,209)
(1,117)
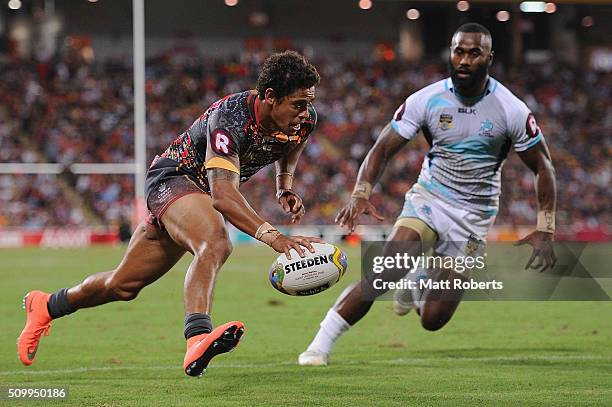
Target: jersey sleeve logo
(532,126)
(221,142)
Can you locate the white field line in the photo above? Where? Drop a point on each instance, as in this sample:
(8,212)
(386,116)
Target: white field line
(398,361)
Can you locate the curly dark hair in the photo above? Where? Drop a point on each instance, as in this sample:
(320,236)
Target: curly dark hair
(286,72)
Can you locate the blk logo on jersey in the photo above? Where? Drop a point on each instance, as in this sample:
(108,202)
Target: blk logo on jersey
(467,110)
(532,126)
(221,142)
(445,122)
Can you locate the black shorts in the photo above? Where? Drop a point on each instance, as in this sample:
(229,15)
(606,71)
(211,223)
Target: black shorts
(165,183)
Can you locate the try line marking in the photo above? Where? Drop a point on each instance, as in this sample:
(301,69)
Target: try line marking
(398,361)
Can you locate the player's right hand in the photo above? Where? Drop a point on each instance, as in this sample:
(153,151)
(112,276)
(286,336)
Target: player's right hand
(355,208)
(283,244)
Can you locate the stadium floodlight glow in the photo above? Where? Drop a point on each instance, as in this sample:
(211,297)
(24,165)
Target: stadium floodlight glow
(365,4)
(413,14)
(463,5)
(550,8)
(502,16)
(533,6)
(14,4)
(231,3)
(587,21)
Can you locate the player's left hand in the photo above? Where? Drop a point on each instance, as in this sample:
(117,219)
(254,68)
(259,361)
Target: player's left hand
(291,203)
(543,250)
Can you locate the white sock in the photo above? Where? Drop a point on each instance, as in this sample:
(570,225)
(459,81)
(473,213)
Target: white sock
(332,327)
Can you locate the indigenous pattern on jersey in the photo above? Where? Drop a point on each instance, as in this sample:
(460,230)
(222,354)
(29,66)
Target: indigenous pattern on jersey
(227,136)
(469,139)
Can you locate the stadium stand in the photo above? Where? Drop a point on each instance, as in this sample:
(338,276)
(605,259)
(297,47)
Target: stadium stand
(69,110)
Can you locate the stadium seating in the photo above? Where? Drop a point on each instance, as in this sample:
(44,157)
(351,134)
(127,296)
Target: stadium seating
(70,111)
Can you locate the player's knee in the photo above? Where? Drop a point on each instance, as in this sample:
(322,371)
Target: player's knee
(434,322)
(123,291)
(225,248)
(221,248)
(216,250)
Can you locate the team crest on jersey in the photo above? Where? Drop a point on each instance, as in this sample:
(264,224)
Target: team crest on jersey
(446,121)
(486,128)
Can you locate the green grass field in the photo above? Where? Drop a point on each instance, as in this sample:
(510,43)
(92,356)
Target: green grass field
(491,353)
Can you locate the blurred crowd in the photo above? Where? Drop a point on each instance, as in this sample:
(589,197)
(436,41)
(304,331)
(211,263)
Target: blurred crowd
(71,111)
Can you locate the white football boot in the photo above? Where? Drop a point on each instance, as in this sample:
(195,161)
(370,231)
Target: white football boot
(406,299)
(403,301)
(313,358)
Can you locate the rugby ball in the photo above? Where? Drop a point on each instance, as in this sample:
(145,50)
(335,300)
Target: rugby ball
(311,274)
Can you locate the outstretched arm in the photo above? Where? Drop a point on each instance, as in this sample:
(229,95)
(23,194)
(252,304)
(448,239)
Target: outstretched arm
(230,202)
(235,208)
(386,146)
(538,160)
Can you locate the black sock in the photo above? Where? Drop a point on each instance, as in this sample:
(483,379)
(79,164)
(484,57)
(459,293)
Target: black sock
(58,304)
(196,324)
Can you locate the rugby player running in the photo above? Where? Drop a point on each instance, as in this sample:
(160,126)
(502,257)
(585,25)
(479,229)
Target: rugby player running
(471,122)
(191,190)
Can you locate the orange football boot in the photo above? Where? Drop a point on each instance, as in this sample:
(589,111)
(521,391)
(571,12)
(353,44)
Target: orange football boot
(38,322)
(202,348)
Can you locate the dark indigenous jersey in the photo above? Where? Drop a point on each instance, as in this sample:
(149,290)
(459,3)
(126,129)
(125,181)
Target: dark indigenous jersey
(227,136)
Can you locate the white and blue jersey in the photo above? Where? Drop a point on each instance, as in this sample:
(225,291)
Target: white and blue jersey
(469,139)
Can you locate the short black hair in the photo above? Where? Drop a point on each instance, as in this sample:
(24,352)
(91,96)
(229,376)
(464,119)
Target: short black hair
(473,28)
(286,72)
